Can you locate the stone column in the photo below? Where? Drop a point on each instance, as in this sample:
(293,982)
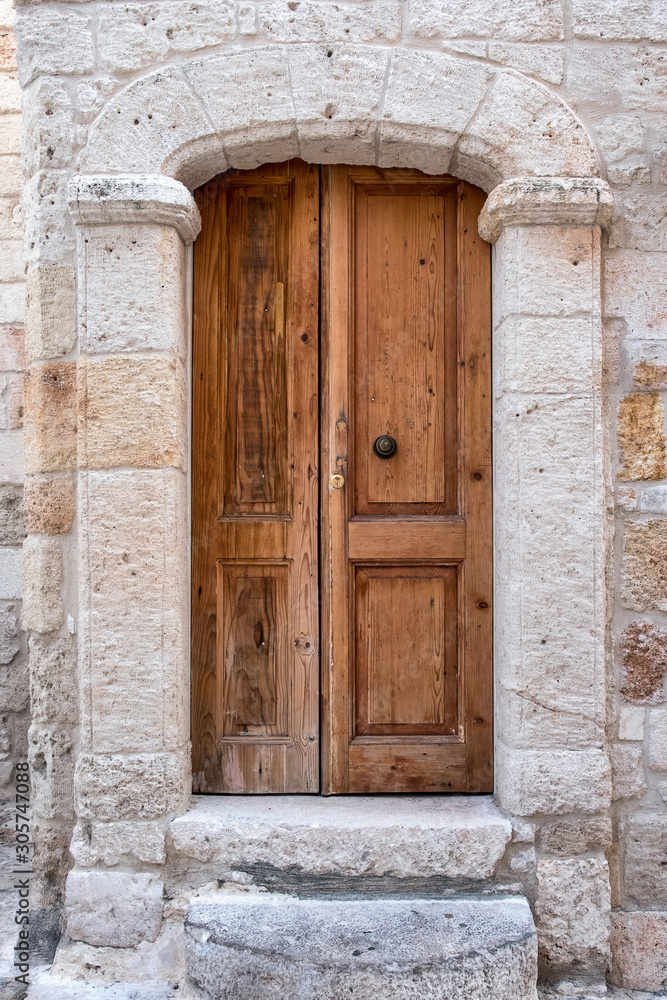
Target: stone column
(551,537)
(133,769)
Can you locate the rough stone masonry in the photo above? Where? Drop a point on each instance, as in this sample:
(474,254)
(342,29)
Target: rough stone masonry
(557,109)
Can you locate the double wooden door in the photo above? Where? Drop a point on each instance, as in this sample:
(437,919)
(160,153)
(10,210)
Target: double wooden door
(341,510)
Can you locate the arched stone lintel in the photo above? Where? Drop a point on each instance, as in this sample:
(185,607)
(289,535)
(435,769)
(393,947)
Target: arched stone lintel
(556,201)
(134,198)
(338,103)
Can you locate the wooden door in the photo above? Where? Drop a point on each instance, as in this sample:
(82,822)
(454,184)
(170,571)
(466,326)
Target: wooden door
(406,539)
(255,707)
(403,282)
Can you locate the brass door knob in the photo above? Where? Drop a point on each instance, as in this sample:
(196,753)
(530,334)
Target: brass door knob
(385,446)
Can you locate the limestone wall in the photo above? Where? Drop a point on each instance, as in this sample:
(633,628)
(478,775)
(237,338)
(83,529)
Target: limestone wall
(14,693)
(607,59)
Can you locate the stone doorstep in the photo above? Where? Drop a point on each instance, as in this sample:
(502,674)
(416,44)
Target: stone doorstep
(46,985)
(345,836)
(263,946)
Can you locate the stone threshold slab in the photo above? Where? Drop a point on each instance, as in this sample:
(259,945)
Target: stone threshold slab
(402,837)
(263,946)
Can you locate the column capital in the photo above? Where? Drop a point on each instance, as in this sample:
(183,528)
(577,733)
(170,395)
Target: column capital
(545,201)
(112,199)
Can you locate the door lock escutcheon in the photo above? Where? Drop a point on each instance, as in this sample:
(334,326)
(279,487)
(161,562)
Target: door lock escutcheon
(385,446)
(337,482)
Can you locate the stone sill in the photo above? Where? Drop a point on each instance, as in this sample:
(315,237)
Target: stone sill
(403,837)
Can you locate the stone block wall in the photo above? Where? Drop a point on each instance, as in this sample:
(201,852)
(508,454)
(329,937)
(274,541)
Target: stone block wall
(14,682)
(84,67)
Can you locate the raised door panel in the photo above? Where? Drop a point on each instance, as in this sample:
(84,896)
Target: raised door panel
(255,483)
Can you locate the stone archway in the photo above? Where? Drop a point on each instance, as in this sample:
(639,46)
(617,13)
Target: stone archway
(171,131)
(338,103)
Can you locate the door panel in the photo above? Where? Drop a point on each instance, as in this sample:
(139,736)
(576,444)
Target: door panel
(402,384)
(255,483)
(406,550)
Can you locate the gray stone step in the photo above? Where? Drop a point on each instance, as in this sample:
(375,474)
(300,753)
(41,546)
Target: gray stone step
(265,946)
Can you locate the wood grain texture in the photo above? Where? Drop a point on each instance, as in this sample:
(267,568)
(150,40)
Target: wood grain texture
(255,483)
(407,565)
(405,546)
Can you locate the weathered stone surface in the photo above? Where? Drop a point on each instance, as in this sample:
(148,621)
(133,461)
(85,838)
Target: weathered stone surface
(12,521)
(133,608)
(644,565)
(644,650)
(626,499)
(43,574)
(645,836)
(9,634)
(51,755)
(146,308)
(658,739)
(12,349)
(635,288)
(48,122)
(551,688)
(641,436)
(545,354)
(50,311)
(404,837)
(53,680)
(625,19)
(50,417)
(138,786)
(652,500)
(545,271)
(518,131)
(156,123)
(415,125)
(649,375)
(639,216)
(247,18)
(128,199)
(639,950)
(627,76)
(575,836)
(627,771)
(139,35)
(11,457)
(49,504)
(528,20)
(132,411)
(364,22)
(552,781)
(251,945)
(10,574)
(53,42)
(557,202)
(113,908)
(248,94)
(14,689)
(545,61)
(112,843)
(573,909)
(332,123)
(631,723)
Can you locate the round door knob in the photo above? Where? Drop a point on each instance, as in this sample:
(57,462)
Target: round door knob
(385,446)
